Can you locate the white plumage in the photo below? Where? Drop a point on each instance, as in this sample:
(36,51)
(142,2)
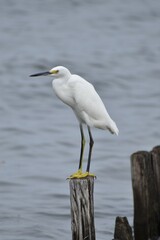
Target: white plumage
(88,107)
(81,96)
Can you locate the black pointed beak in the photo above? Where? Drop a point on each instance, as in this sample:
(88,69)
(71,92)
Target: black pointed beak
(40,74)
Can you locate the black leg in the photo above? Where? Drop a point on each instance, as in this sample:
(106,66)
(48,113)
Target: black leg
(82,146)
(90,148)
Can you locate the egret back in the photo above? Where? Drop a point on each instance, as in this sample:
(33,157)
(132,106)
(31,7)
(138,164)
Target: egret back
(88,105)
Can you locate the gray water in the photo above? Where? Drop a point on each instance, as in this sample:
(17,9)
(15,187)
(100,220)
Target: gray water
(116,46)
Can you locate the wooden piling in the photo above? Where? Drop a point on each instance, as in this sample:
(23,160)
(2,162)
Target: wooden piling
(82,208)
(123,230)
(145,169)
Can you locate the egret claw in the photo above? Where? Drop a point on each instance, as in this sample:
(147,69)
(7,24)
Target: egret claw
(79,174)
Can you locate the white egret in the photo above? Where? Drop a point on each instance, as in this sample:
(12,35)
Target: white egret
(88,107)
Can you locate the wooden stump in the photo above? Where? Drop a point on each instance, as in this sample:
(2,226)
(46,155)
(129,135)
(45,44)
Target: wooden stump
(82,208)
(145,168)
(123,230)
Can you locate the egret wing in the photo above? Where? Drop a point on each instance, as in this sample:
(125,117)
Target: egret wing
(88,104)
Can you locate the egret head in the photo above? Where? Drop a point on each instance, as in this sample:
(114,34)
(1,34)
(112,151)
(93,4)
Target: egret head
(56,72)
(59,71)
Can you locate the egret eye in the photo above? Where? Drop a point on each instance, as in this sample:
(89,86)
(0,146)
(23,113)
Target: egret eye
(54,71)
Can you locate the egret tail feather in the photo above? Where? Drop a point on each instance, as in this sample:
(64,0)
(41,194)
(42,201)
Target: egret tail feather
(113,128)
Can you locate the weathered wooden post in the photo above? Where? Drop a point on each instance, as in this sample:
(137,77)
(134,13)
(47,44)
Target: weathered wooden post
(145,168)
(82,208)
(123,230)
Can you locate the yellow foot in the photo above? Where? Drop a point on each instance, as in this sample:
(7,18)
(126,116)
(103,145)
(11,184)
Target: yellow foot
(80,174)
